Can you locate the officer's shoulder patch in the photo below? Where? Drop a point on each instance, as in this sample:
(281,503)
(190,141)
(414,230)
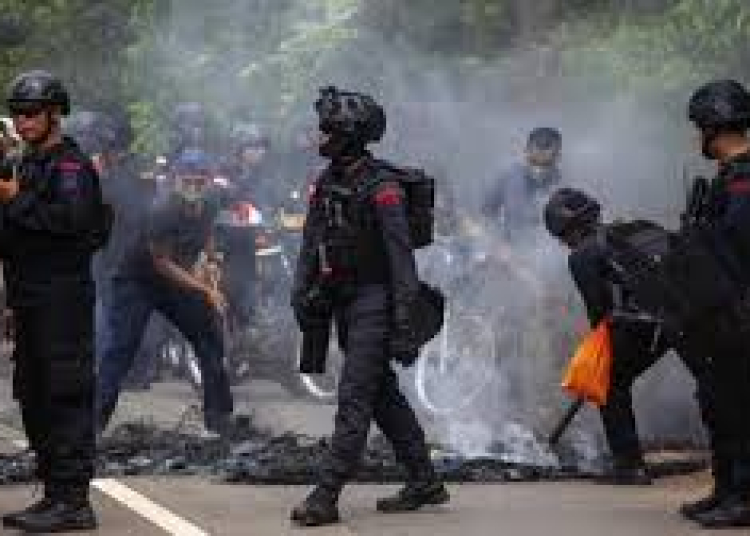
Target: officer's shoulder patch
(740,185)
(312,192)
(389,194)
(70,166)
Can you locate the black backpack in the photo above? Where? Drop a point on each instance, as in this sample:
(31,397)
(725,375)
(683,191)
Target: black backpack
(678,278)
(419,189)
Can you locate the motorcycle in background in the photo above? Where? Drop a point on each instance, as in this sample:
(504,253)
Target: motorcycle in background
(266,343)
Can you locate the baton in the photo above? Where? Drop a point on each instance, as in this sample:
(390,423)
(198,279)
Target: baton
(565,421)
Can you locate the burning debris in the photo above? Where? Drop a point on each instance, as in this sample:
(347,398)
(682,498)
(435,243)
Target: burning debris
(250,455)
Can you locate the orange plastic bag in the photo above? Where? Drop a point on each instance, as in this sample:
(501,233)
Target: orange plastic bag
(589,371)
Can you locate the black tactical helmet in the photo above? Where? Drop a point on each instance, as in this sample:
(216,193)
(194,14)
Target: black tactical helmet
(544,139)
(568,210)
(719,105)
(354,115)
(37,87)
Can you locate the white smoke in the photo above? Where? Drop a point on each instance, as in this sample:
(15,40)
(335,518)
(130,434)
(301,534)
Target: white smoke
(467,125)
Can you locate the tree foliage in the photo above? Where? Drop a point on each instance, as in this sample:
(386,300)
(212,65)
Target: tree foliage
(262,58)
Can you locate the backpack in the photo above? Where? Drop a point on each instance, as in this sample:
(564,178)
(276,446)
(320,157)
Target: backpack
(419,189)
(675,277)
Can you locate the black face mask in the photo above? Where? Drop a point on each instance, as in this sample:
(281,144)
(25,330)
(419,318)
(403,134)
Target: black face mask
(339,146)
(708,135)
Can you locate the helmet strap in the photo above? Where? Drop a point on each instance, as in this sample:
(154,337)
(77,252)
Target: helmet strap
(708,136)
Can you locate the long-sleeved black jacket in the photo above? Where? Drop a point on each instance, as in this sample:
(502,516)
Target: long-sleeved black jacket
(728,216)
(48,229)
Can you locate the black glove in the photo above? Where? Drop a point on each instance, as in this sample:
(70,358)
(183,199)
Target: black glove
(404,347)
(311,310)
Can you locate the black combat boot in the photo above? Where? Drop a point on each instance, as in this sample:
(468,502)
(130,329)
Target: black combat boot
(732,512)
(722,489)
(627,471)
(692,509)
(319,508)
(414,495)
(12,520)
(68,509)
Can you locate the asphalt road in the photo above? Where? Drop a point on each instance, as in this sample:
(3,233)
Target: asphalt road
(191,506)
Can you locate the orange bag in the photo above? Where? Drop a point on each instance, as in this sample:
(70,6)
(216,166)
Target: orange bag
(589,371)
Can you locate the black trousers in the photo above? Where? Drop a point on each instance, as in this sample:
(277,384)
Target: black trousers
(634,352)
(54,383)
(723,352)
(369,392)
(133,303)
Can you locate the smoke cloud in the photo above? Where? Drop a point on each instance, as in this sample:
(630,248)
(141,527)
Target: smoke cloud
(464,124)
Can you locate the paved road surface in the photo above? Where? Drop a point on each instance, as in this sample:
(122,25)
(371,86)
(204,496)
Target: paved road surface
(190,506)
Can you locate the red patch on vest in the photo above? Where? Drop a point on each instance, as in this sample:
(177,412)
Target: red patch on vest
(70,166)
(312,189)
(740,185)
(388,196)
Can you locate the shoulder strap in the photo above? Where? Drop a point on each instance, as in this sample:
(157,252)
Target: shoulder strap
(381,170)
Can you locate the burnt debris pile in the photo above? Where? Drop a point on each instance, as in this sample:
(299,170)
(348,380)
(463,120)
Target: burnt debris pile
(250,455)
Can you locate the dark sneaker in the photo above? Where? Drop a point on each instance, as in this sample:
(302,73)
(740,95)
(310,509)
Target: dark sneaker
(732,512)
(12,519)
(692,509)
(318,509)
(627,475)
(413,496)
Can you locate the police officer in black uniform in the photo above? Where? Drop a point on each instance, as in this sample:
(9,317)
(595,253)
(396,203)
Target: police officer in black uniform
(358,253)
(638,340)
(53,219)
(721,112)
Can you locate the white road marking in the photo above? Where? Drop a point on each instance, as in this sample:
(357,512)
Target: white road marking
(147,509)
(140,504)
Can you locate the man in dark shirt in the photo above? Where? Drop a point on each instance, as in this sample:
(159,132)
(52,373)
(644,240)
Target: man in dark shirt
(53,219)
(156,276)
